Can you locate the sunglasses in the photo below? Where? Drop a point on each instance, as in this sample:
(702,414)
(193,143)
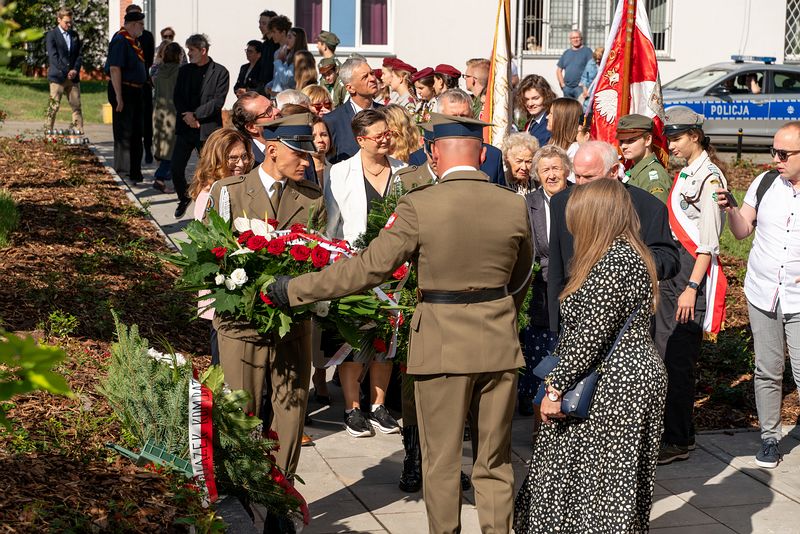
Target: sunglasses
(322,105)
(783,155)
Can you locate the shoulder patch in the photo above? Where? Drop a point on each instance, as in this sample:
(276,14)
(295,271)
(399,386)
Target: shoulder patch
(390,221)
(713,169)
(653,175)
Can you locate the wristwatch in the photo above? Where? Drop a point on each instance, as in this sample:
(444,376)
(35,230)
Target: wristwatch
(553,395)
(692,285)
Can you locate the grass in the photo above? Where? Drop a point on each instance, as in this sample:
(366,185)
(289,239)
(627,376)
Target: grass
(9,217)
(25,99)
(729,244)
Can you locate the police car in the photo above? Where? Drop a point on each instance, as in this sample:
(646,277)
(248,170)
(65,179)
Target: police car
(750,92)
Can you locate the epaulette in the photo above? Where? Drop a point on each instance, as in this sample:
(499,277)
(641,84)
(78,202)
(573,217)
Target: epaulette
(406,170)
(503,186)
(713,169)
(419,188)
(230,180)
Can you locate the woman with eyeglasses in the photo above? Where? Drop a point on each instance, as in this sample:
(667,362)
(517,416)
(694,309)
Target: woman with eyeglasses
(321,103)
(693,302)
(225,153)
(249,73)
(349,191)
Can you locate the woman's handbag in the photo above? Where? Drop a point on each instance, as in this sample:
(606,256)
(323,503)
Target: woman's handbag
(577,400)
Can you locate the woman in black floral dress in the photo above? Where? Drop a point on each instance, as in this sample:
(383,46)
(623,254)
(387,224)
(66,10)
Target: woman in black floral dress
(597,475)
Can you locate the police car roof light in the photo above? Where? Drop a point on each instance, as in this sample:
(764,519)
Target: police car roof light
(768,60)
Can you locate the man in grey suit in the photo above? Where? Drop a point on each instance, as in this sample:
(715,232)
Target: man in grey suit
(362,86)
(64,54)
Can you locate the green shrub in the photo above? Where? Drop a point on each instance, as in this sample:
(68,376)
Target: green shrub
(9,217)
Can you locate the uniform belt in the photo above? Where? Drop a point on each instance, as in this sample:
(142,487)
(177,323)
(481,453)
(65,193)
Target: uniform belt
(131,84)
(461,297)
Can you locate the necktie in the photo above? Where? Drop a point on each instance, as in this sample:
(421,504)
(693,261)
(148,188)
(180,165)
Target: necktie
(275,197)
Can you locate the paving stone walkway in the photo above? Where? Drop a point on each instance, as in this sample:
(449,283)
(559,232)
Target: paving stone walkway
(351,484)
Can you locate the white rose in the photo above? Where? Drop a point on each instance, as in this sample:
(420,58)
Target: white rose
(219,279)
(230,284)
(322,308)
(239,277)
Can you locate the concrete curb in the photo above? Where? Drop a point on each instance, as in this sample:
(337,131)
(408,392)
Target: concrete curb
(132,196)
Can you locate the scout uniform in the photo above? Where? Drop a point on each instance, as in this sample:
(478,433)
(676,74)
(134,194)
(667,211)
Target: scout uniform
(337,89)
(331,40)
(246,356)
(464,351)
(647,173)
(696,221)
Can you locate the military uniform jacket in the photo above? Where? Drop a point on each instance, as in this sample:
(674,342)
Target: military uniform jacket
(245,196)
(651,176)
(464,233)
(414,176)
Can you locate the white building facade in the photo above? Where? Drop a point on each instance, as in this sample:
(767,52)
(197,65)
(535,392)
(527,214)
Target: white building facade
(688,34)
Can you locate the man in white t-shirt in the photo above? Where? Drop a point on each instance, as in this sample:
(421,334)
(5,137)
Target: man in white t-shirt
(772,284)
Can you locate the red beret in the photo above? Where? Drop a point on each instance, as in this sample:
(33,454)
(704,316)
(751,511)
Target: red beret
(447,70)
(424,73)
(378,73)
(389,62)
(402,65)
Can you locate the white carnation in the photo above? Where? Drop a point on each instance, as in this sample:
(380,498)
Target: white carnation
(230,284)
(219,279)
(166,358)
(239,277)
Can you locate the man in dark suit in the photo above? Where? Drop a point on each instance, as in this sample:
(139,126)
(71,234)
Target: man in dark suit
(148,44)
(596,160)
(249,108)
(457,103)
(268,49)
(250,72)
(200,93)
(64,56)
(362,86)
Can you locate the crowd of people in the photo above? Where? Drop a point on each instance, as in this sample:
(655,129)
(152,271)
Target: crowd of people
(602,249)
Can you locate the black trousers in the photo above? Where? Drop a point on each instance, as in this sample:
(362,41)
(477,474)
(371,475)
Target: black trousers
(127,128)
(185,143)
(679,346)
(147,123)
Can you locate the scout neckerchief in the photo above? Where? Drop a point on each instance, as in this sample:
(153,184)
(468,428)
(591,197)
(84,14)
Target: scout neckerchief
(688,234)
(134,43)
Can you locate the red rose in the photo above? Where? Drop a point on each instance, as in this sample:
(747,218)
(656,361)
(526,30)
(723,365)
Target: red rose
(266,299)
(219,252)
(320,256)
(297,227)
(400,273)
(256,243)
(244,236)
(276,247)
(273,223)
(379,345)
(300,252)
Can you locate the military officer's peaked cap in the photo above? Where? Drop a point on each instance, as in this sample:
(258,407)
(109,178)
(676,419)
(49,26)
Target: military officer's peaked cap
(293,131)
(680,119)
(451,126)
(633,125)
(427,131)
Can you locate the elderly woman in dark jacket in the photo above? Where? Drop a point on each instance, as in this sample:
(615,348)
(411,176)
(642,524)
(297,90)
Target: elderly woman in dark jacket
(552,166)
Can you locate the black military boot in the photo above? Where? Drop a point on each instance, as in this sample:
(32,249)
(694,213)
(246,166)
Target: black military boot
(411,477)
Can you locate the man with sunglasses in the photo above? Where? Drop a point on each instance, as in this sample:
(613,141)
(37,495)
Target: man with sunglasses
(771,210)
(635,137)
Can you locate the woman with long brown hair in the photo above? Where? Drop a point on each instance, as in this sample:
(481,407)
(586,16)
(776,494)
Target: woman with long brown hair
(531,104)
(305,69)
(598,474)
(405,134)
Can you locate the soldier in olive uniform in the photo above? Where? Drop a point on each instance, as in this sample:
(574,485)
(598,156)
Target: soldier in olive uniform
(276,190)
(470,241)
(635,136)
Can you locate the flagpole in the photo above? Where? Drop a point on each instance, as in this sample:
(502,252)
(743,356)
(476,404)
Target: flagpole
(627,58)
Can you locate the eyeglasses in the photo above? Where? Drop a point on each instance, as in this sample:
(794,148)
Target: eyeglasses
(465,76)
(385,136)
(233,160)
(268,114)
(783,155)
(322,105)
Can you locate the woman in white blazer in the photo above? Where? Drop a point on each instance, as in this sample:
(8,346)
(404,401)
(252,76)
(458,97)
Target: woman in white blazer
(353,184)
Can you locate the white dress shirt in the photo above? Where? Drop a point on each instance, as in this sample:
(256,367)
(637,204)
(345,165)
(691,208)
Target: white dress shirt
(268,180)
(774,262)
(457,168)
(67,38)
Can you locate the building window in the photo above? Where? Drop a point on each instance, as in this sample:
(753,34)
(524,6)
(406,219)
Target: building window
(791,47)
(359,24)
(547,23)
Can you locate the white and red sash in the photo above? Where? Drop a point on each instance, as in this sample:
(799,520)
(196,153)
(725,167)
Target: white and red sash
(688,234)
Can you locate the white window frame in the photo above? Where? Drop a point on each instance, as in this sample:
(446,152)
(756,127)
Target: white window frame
(789,57)
(358,47)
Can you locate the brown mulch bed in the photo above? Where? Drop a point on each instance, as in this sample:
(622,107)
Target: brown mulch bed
(81,250)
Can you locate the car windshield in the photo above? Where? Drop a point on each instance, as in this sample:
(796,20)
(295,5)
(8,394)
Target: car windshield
(697,79)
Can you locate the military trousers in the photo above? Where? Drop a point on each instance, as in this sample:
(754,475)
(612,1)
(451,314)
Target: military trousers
(280,371)
(443,403)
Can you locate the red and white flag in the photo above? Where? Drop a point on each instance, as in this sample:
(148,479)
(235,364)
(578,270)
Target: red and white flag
(627,80)
(497,106)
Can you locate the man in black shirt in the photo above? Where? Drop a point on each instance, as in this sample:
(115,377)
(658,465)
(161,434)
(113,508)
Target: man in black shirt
(199,96)
(268,49)
(148,44)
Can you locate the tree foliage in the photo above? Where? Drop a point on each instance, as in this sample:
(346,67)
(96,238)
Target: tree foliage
(12,35)
(90,18)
